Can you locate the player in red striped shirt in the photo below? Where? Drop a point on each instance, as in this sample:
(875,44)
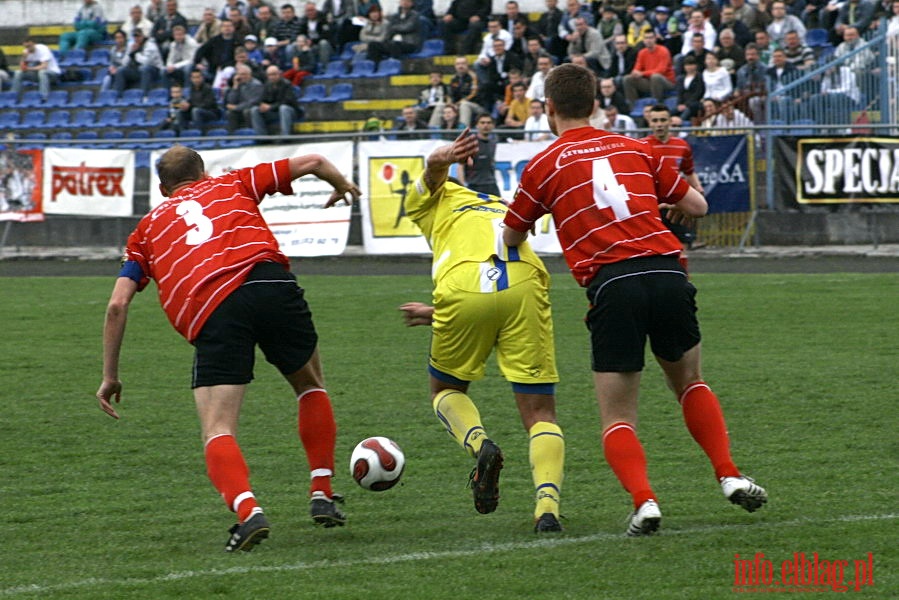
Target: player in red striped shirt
(604,192)
(226,286)
(677,151)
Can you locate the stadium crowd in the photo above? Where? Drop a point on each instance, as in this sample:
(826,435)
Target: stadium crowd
(243,64)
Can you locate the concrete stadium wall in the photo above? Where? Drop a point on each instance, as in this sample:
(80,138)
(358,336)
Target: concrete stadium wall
(16,13)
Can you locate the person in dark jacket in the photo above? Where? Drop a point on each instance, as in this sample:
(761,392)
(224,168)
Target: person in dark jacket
(162,27)
(466,19)
(245,93)
(217,53)
(201,106)
(404,34)
(278,104)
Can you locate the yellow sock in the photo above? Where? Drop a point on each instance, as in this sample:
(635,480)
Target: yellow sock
(547,451)
(461,418)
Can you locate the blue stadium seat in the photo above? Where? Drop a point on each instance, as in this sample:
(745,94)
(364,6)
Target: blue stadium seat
(157,117)
(31,98)
(81,99)
(61,135)
(809,127)
(339,92)
(87,134)
(84,118)
(136,139)
(671,103)
(33,119)
(33,146)
(57,99)
(99,57)
(433,47)
(73,58)
(9,119)
(132,97)
(189,133)
(313,93)
(335,69)
(8,99)
(112,139)
(389,66)
(105,98)
(58,118)
(362,68)
(639,105)
(135,117)
(111,117)
(816,37)
(158,97)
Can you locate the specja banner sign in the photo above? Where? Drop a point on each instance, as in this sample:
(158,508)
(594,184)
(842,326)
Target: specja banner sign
(844,170)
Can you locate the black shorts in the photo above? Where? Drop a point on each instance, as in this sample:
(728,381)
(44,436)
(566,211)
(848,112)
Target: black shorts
(268,310)
(637,298)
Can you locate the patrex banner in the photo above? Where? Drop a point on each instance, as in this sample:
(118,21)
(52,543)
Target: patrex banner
(88,182)
(299,222)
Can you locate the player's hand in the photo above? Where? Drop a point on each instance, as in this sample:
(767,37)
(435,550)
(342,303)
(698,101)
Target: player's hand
(676,215)
(340,194)
(417,313)
(109,390)
(464,148)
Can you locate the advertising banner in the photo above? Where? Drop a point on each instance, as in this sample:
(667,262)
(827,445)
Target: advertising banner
(88,182)
(299,222)
(21,185)
(722,165)
(847,170)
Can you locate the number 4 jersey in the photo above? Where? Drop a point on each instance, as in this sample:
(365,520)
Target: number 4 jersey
(603,191)
(200,244)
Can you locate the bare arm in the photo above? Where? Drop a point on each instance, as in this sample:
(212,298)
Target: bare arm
(692,205)
(417,313)
(324,169)
(514,238)
(462,150)
(693,180)
(113,334)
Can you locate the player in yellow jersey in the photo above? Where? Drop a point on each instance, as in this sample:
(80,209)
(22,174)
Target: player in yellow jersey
(486,296)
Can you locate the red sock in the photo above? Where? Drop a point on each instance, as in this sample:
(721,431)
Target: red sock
(625,455)
(705,421)
(229,474)
(318,433)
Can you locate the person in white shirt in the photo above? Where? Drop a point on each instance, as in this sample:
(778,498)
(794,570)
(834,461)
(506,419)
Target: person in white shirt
(37,64)
(136,20)
(618,123)
(535,89)
(180,60)
(893,23)
(716,79)
(730,121)
(841,80)
(699,24)
(494,32)
(536,127)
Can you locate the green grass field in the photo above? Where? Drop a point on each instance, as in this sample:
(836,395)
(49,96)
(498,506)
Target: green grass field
(805,365)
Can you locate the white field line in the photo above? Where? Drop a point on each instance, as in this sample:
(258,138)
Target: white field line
(537,542)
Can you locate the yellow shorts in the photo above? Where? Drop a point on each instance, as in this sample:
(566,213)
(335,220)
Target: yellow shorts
(516,320)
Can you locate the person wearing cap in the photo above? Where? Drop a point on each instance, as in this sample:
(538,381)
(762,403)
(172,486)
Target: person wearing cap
(663,24)
(254,50)
(609,24)
(142,65)
(274,54)
(637,27)
(180,60)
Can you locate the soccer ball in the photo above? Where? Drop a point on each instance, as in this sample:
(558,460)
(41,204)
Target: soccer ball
(377,463)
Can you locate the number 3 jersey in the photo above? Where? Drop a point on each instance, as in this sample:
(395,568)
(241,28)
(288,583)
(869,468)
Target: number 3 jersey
(603,191)
(200,244)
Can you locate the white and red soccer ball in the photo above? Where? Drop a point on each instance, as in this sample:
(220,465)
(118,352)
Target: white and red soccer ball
(377,463)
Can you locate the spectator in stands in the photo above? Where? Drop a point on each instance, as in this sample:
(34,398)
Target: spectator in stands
(690,91)
(665,26)
(36,64)
(512,16)
(535,88)
(289,26)
(217,53)
(813,14)
(781,74)
(716,79)
(697,51)
(710,11)
(464,90)
(573,10)
(229,5)
(863,64)
(255,55)
(728,120)
(548,30)
(450,122)
(755,19)
(728,50)
(653,72)
(90,28)
(342,14)
(245,93)
(638,26)
(241,26)
(503,105)
(622,60)
(798,54)
(201,106)
(177,103)
(404,34)
(265,23)
(494,76)
(301,57)
(410,121)
(155,9)
(532,58)
(209,27)
(278,104)
(374,30)
(617,122)
(4,70)
(117,55)
(162,28)
(143,65)
(698,24)
(464,24)
(781,23)
(840,81)
(494,32)
(274,54)
(536,127)
(742,34)
(480,175)
(610,94)
(519,43)
(893,23)
(854,13)
(518,109)
(609,24)
(764,47)
(751,84)
(136,20)
(433,98)
(180,61)
(314,25)
(588,41)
